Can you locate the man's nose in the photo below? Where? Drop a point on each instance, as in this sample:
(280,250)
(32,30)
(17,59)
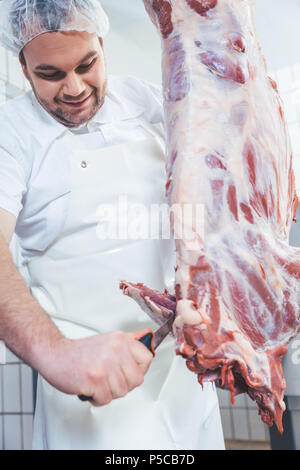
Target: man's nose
(73,86)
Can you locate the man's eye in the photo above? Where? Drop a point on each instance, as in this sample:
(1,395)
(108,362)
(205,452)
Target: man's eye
(84,68)
(60,75)
(54,76)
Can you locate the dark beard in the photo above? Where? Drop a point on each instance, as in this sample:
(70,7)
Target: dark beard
(66,118)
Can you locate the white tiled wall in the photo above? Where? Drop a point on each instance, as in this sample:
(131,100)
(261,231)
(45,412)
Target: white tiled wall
(241,421)
(16,405)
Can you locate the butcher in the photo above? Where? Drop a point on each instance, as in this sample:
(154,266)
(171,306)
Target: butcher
(77,140)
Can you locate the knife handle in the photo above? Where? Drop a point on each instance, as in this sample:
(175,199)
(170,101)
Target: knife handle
(147,341)
(84,398)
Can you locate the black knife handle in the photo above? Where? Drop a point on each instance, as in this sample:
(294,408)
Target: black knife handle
(84,398)
(147,341)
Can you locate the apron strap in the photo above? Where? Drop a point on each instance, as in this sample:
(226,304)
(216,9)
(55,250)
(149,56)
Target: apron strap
(154,131)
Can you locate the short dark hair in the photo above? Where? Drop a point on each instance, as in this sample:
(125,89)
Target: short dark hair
(22,58)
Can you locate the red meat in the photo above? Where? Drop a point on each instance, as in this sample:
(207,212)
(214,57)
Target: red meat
(237,283)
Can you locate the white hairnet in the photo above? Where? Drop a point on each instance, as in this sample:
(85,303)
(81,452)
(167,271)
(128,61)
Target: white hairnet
(23,20)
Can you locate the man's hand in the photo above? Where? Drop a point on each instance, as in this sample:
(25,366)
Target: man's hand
(105,367)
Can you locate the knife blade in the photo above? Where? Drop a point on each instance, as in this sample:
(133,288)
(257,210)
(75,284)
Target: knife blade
(154,339)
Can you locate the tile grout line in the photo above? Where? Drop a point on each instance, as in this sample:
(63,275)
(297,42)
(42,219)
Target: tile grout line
(21,407)
(2,405)
(248,419)
(232,422)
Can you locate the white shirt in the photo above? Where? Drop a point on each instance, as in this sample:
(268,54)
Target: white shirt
(34,175)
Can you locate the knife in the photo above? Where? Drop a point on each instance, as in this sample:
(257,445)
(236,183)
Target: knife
(151,340)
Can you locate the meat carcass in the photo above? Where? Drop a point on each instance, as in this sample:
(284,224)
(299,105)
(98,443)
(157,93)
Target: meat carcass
(237,281)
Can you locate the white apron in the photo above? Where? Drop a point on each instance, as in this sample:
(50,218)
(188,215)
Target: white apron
(76,281)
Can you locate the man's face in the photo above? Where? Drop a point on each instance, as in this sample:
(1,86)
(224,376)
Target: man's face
(67,73)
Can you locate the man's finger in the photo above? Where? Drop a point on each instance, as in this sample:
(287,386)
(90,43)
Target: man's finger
(132,373)
(139,334)
(118,384)
(141,355)
(102,396)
